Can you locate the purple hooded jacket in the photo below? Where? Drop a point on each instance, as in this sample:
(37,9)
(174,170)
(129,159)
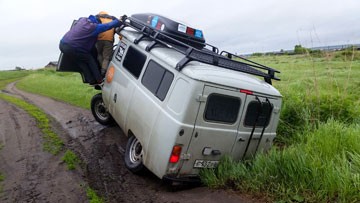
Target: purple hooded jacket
(83,35)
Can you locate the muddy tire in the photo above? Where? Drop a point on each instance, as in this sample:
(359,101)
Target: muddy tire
(99,111)
(133,156)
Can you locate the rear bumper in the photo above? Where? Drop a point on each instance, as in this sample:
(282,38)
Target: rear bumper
(194,179)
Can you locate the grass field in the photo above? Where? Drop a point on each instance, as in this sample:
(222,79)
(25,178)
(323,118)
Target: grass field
(7,77)
(317,152)
(62,86)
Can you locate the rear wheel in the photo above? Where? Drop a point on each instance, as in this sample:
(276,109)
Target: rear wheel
(99,110)
(134,155)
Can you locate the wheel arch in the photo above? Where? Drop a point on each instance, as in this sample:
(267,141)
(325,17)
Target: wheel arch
(130,133)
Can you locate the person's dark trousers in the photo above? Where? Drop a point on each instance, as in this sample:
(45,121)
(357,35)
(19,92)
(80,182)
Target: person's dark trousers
(85,61)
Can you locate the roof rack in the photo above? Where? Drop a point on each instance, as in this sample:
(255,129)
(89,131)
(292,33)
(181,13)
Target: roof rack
(224,59)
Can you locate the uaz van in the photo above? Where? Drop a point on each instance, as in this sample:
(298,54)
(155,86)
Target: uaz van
(183,104)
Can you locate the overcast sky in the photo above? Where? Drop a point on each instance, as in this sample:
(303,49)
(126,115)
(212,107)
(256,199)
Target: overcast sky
(31,30)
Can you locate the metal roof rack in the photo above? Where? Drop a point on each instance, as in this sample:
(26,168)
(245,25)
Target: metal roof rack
(212,57)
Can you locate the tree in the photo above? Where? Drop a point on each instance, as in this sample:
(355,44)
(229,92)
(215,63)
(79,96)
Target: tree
(257,54)
(300,50)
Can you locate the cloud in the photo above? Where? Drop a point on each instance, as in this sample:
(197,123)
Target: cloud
(31,30)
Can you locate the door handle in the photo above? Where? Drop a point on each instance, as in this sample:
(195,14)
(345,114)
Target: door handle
(241,139)
(115,98)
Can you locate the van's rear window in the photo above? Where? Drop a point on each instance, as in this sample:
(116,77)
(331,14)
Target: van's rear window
(221,108)
(252,111)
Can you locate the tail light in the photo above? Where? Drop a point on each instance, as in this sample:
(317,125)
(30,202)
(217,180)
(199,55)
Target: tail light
(175,154)
(246,91)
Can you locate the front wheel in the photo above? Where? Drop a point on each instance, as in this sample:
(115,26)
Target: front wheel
(134,155)
(99,110)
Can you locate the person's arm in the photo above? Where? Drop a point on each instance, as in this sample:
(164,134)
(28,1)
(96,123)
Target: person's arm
(107,26)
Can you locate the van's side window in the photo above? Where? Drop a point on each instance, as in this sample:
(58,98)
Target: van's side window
(221,108)
(134,61)
(157,79)
(252,112)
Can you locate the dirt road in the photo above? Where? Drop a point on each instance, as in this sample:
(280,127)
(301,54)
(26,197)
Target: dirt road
(32,175)
(101,148)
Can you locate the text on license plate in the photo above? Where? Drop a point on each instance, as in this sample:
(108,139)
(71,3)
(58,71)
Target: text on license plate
(205,164)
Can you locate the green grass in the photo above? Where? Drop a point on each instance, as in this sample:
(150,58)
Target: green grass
(66,87)
(317,153)
(2,178)
(314,90)
(71,159)
(93,197)
(5,82)
(315,75)
(4,75)
(323,167)
(7,77)
(52,142)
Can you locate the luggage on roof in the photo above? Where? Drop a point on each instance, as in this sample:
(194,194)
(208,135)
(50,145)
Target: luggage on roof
(184,33)
(191,43)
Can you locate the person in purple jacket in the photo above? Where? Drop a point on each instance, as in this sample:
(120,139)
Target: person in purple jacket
(79,42)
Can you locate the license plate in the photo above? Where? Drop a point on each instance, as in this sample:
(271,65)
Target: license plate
(205,164)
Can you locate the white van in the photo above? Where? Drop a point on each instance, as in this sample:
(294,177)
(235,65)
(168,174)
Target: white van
(182,104)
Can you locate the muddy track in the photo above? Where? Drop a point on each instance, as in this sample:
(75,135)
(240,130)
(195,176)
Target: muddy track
(102,149)
(32,175)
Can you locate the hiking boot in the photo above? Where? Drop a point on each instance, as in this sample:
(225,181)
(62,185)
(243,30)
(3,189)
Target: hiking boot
(98,82)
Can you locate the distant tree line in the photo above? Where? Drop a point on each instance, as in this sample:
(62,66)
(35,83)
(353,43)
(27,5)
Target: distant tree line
(19,68)
(298,49)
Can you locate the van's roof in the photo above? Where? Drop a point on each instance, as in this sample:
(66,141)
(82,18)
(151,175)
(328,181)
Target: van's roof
(205,72)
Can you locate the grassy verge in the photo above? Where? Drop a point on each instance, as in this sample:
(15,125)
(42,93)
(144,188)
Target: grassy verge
(52,142)
(66,87)
(71,159)
(2,178)
(93,197)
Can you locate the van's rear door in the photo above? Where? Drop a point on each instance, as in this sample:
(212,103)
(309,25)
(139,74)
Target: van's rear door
(215,129)
(68,64)
(255,129)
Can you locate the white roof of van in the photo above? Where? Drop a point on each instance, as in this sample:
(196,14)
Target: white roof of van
(205,72)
